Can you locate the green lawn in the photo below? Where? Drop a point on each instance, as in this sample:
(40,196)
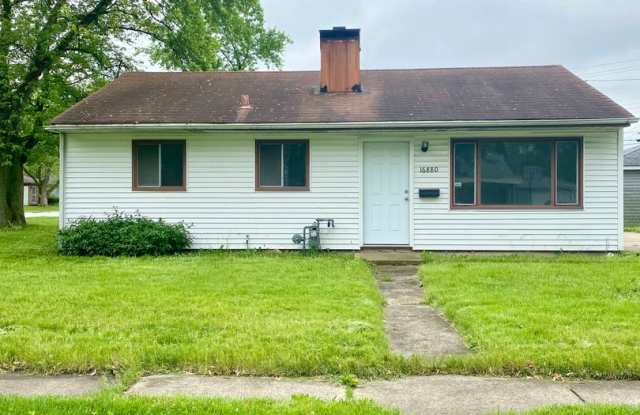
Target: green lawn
(296,315)
(211,313)
(632,228)
(582,410)
(574,315)
(110,405)
(38,209)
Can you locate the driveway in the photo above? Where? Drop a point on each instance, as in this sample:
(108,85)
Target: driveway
(632,241)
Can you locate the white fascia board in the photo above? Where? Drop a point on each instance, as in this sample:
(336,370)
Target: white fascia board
(632,167)
(342,125)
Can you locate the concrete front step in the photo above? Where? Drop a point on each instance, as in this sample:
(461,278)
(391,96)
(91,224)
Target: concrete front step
(384,256)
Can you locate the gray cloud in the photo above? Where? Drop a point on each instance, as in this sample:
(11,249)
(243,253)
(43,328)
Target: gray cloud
(587,36)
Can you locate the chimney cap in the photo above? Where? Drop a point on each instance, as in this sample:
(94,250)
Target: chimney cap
(340,33)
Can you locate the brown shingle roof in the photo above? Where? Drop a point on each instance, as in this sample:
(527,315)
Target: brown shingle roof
(467,94)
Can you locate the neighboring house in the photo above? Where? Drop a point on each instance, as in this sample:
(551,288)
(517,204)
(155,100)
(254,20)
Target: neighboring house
(511,158)
(30,192)
(632,186)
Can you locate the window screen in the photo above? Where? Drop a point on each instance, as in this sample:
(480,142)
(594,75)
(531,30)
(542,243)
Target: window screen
(270,165)
(148,165)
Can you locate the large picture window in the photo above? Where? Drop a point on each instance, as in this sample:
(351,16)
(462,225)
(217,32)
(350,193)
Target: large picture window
(516,173)
(282,165)
(159,165)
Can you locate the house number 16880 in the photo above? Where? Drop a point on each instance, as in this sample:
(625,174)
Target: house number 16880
(428,169)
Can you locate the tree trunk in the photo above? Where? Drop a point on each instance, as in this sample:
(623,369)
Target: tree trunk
(43,193)
(11,195)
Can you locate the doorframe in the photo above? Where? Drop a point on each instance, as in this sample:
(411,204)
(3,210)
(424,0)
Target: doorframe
(409,139)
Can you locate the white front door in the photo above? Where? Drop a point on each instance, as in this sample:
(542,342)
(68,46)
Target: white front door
(386,193)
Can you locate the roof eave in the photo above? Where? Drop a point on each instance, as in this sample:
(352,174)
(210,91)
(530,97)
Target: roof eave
(621,122)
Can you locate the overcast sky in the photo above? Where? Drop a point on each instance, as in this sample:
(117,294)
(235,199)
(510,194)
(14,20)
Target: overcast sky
(597,39)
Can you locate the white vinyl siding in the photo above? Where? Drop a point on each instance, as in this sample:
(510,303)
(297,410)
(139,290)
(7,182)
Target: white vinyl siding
(593,228)
(220,202)
(226,211)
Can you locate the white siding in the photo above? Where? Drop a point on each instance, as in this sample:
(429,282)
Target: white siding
(220,201)
(223,207)
(593,228)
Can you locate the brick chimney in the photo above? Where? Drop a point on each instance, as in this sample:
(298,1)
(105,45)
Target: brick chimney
(340,60)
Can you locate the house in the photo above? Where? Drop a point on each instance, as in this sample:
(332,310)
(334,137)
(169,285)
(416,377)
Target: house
(632,186)
(30,192)
(499,159)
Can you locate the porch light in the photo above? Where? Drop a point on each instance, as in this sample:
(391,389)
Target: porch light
(425,146)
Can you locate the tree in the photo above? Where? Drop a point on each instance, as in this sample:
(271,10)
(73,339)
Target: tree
(54,52)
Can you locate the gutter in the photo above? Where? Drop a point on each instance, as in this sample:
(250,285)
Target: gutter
(344,125)
(632,168)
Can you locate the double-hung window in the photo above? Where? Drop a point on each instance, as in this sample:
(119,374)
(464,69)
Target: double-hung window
(282,165)
(517,173)
(159,165)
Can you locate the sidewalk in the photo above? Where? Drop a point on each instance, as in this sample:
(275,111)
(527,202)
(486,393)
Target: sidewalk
(41,214)
(433,395)
(445,395)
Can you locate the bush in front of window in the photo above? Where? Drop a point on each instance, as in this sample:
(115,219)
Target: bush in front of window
(122,234)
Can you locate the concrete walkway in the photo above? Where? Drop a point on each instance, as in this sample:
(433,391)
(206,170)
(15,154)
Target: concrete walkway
(414,328)
(632,241)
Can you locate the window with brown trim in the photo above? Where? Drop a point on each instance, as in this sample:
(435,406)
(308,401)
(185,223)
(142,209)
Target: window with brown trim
(516,173)
(159,165)
(282,165)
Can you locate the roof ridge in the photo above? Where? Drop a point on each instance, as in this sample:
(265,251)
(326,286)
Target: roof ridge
(363,70)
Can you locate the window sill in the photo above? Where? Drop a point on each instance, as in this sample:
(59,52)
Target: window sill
(516,207)
(282,189)
(159,189)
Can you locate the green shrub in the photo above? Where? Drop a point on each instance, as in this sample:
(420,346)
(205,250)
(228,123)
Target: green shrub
(123,234)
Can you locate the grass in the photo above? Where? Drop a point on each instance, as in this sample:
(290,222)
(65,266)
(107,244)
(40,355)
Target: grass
(209,313)
(572,315)
(582,410)
(632,228)
(109,405)
(39,209)
(295,315)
